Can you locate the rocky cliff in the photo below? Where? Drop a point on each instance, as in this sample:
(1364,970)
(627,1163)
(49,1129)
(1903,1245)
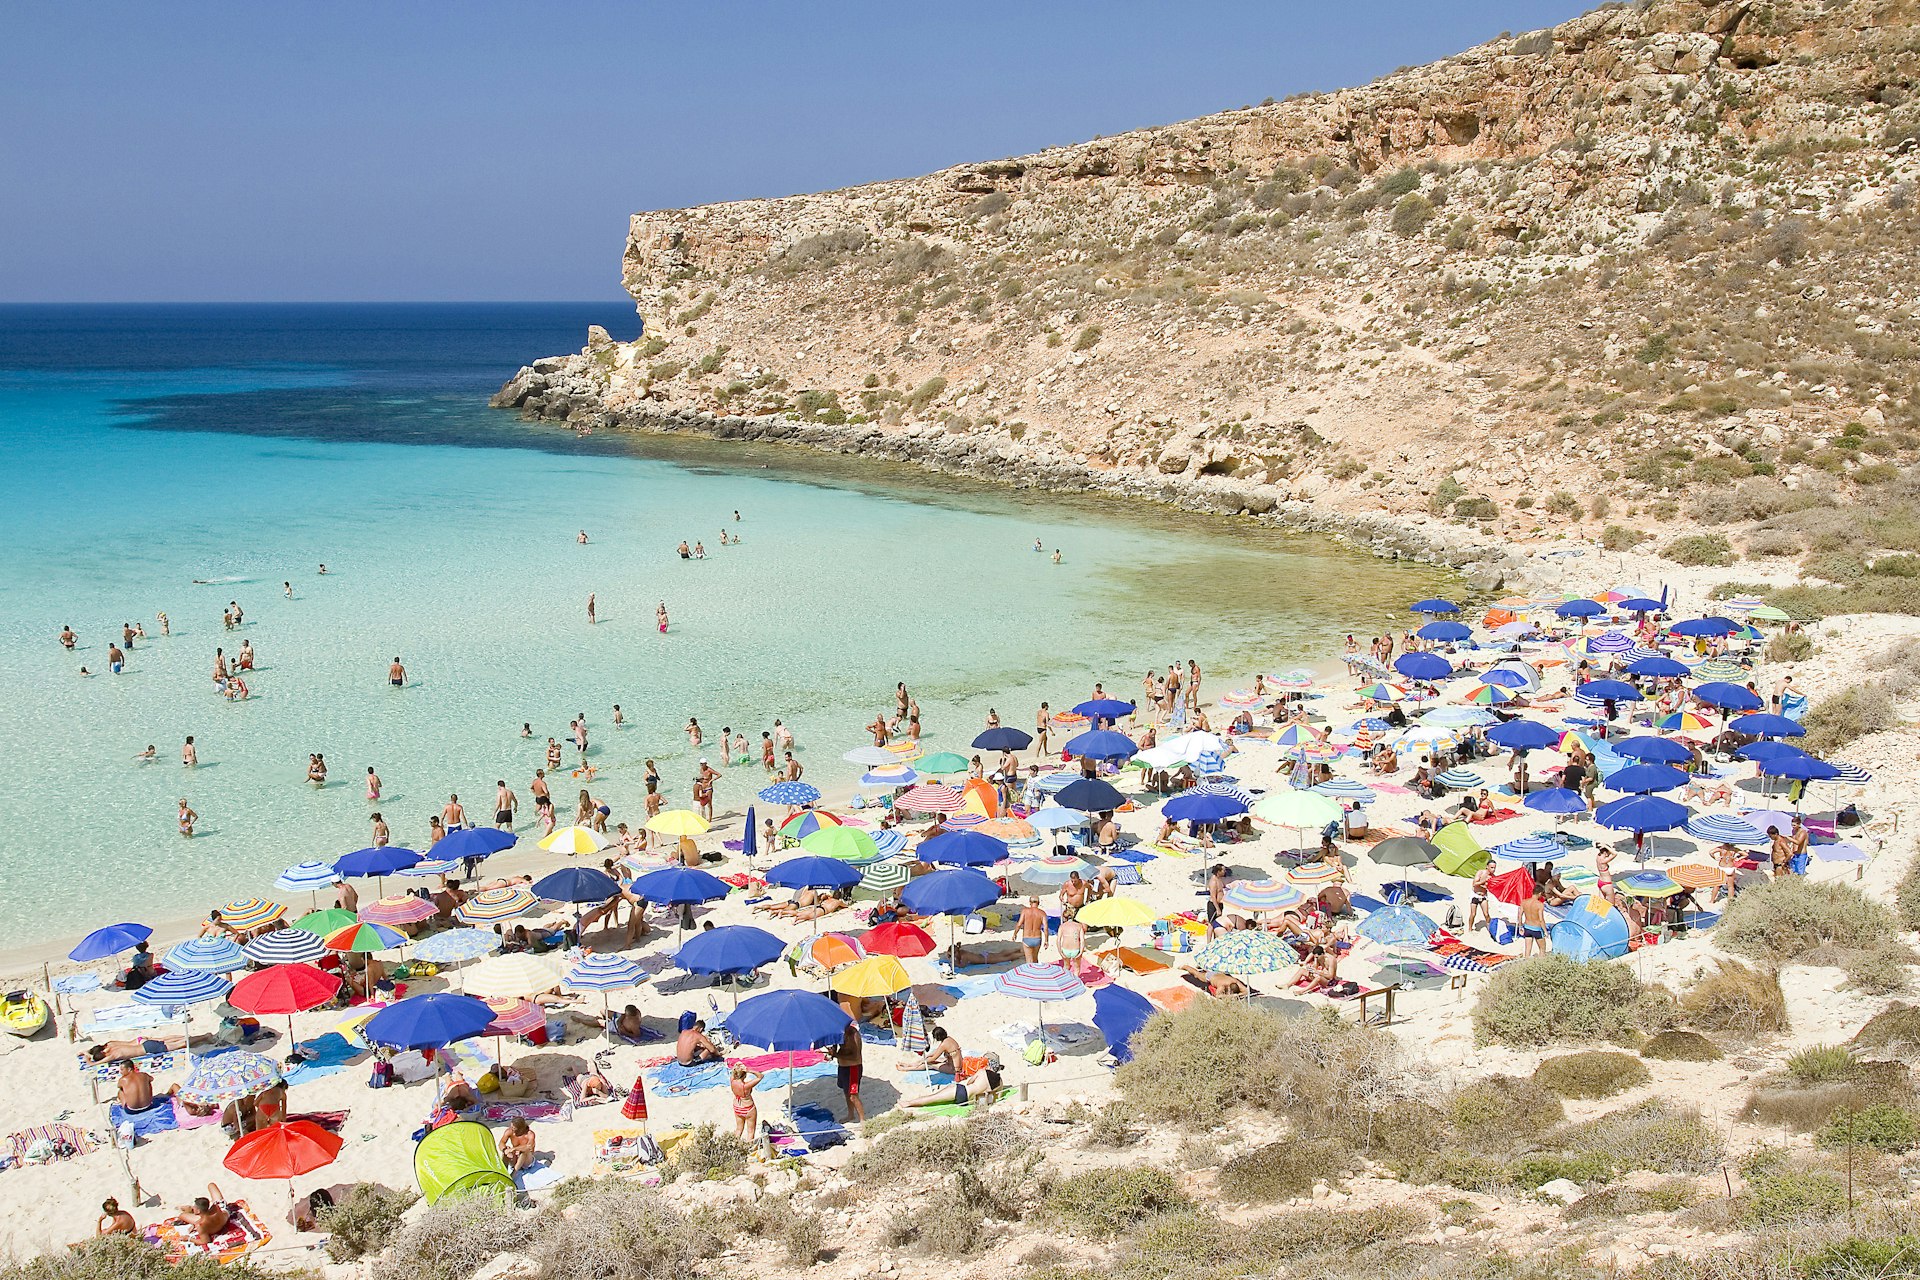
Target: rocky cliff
(1653,265)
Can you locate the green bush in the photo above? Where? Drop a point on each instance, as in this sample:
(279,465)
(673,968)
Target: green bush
(1476,508)
(1502,1113)
(127,1258)
(1699,549)
(937,1146)
(1399,183)
(1681,1046)
(1597,1073)
(1736,997)
(1821,1063)
(1617,537)
(1785,919)
(1282,1170)
(711,1152)
(1782,1199)
(801,1236)
(1790,646)
(1882,1126)
(363,1221)
(1532,1171)
(1553,999)
(454,1238)
(1654,1135)
(1108,1201)
(1562,503)
(1895,1029)
(1832,723)
(1410,214)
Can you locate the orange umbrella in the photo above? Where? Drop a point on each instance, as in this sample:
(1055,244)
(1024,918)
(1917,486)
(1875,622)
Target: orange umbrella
(1693,875)
(831,950)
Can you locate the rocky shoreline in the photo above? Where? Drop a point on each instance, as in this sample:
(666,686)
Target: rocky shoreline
(565,390)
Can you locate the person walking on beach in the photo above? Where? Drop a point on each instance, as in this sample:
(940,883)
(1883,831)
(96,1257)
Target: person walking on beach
(396,674)
(849,1063)
(1041,723)
(1032,927)
(505,805)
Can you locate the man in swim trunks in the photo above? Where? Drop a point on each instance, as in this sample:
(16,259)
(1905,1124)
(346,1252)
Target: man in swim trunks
(67,638)
(207,1215)
(703,780)
(505,804)
(136,1086)
(396,674)
(453,815)
(116,660)
(1032,929)
(114,1221)
(849,1066)
(1216,896)
(693,1047)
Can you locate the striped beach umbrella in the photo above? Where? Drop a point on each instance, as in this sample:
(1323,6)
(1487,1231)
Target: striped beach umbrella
(603,973)
(1725,828)
(1347,789)
(1487,695)
(573,841)
(1610,642)
(1051,872)
(285,946)
(456,946)
(179,987)
(491,905)
(430,868)
(1696,875)
(885,877)
(1719,669)
(364,938)
(965,820)
(512,977)
(207,955)
(1314,875)
(888,841)
(513,1017)
(249,913)
(1647,884)
(1042,982)
(1683,721)
(1263,895)
(310,877)
(402,908)
(1380,691)
(1459,779)
(1292,678)
(890,775)
(1293,735)
(228,1077)
(1532,848)
(1851,774)
(1245,952)
(1241,700)
(793,794)
(1012,832)
(804,824)
(929,797)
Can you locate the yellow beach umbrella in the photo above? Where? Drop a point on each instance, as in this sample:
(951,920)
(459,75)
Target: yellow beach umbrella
(572,840)
(678,822)
(873,977)
(1114,913)
(513,977)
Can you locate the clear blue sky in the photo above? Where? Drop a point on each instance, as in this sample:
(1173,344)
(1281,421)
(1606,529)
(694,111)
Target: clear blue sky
(181,151)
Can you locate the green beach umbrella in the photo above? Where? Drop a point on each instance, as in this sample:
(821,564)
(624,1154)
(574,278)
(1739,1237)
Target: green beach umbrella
(326,922)
(942,762)
(849,844)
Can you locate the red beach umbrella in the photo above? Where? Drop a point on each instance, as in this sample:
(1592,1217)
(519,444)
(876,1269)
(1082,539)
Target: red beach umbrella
(284,988)
(898,939)
(635,1107)
(285,1150)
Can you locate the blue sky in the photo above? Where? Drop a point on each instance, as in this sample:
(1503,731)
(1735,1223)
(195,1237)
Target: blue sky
(186,151)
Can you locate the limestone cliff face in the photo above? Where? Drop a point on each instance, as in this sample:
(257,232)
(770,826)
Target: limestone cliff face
(1657,247)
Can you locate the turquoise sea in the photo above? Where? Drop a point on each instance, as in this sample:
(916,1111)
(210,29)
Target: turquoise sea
(177,458)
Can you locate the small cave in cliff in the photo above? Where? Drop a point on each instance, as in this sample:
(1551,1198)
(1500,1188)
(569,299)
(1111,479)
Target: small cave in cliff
(1221,467)
(1461,127)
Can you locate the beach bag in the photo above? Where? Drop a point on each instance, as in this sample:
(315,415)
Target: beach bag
(975,926)
(382,1075)
(1036,1052)
(488,1083)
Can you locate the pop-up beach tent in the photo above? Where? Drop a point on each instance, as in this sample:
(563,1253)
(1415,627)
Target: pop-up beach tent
(457,1159)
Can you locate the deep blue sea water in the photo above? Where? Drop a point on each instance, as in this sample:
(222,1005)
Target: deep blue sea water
(173,459)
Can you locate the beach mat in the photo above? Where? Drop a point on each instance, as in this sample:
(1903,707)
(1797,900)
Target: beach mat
(161,1117)
(966,1108)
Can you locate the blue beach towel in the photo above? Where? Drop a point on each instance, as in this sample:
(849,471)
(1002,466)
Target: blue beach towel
(158,1118)
(816,1127)
(331,1054)
(675,1081)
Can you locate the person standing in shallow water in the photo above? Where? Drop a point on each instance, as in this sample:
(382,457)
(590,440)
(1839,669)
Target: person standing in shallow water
(660,616)
(396,674)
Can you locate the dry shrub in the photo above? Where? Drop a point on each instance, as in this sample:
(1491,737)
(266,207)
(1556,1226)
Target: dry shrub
(1502,1114)
(1108,1201)
(1833,722)
(1737,997)
(1786,919)
(801,1236)
(1681,1046)
(127,1258)
(1598,1073)
(454,1238)
(1668,1196)
(937,1145)
(1821,1063)
(1655,1135)
(1894,1029)
(363,1221)
(1282,1170)
(1554,999)
(711,1152)
(619,1231)
(1301,1232)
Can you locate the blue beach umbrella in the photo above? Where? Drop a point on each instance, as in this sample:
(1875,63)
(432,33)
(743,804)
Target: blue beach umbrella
(1642,779)
(577,884)
(1725,828)
(1640,814)
(1397,926)
(382,860)
(431,1021)
(1658,666)
(471,842)
(1767,749)
(208,955)
(1704,627)
(1433,606)
(676,885)
(953,892)
(1580,609)
(1423,666)
(1802,768)
(110,941)
(1762,725)
(456,946)
(1556,800)
(1002,738)
(962,848)
(1104,709)
(750,837)
(1444,631)
(1523,735)
(810,872)
(1652,750)
(1607,691)
(310,876)
(1119,1014)
(1610,642)
(1457,778)
(1202,808)
(1508,678)
(177,988)
(1055,818)
(794,794)
(730,948)
(1101,744)
(286,946)
(888,841)
(788,1021)
(1090,795)
(1640,604)
(1530,849)
(1727,696)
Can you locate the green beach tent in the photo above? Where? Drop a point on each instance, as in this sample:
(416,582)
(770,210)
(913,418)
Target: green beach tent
(1461,854)
(459,1158)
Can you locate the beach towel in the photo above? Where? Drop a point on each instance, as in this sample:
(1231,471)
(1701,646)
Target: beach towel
(575,1091)
(671,1080)
(765,1062)
(328,1055)
(1136,855)
(1461,958)
(817,1128)
(1482,817)
(107,1072)
(62,1140)
(536,1109)
(331,1121)
(243,1235)
(940,1079)
(1134,959)
(1018,1035)
(185,1119)
(162,1116)
(76,984)
(616,1150)
(965,985)
(538,1177)
(911,1036)
(964,1108)
(109,1021)
(775,1079)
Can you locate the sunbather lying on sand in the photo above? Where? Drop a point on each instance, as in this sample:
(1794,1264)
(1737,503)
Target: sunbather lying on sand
(121,1050)
(979,1086)
(1220,984)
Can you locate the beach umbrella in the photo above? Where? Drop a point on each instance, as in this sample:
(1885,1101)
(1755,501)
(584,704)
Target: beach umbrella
(110,940)
(308,876)
(871,978)
(1444,631)
(1556,800)
(1580,609)
(673,886)
(1653,750)
(364,938)
(788,1022)
(1530,849)
(1803,768)
(1055,818)
(512,977)
(1101,709)
(889,775)
(1488,695)
(456,946)
(325,921)
(929,797)
(832,950)
(1301,810)
(871,755)
(1397,926)
(1458,779)
(1506,677)
(1762,725)
(285,946)
(603,972)
(1089,795)
(1013,832)
(1704,627)
(1768,749)
(1607,691)
(1263,895)
(577,885)
(963,849)
(1405,851)
(1523,735)
(1609,642)
(473,842)
(1003,738)
(898,938)
(1202,808)
(381,860)
(792,794)
(214,954)
(749,838)
(1719,669)
(1313,875)
(284,988)
(1851,774)
(1347,789)
(1381,692)
(248,913)
(1040,983)
(401,909)
(728,948)
(573,841)
(942,762)
(803,824)
(1658,667)
(812,872)
(1434,606)
(1728,697)
(1646,884)
(1423,666)
(1115,913)
(955,891)
(1640,814)
(228,1077)
(1045,874)
(1245,952)
(513,1016)
(1101,744)
(286,1151)
(678,822)
(489,906)
(182,989)
(428,870)
(1119,1014)
(1725,828)
(1294,735)
(1682,722)
(848,844)
(430,1021)
(1643,779)
(1457,717)
(884,877)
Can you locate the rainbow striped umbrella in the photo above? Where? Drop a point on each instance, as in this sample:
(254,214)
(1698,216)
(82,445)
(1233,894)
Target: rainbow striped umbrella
(250,913)
(514,1018)
(1263,895)
(1380,691)
(1245,952)
(364,937)
(1686,721)
(402,908)
(802,825)
(1313,875)
(1488,695)
(1293,735)
(491,905)
(1042,982)
(930,797)
(1647,884)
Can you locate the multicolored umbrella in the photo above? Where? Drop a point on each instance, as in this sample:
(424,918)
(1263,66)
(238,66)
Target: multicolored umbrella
(1487,695)
(249,913)
(890,775)
(1687,721)
(324,922)
(1263,895)
(285,946)
(402,908)
(831,950)
(364,938)
(428,870)
(801,825)
(456,946)
(491,905)
(214,954)
(228,1077)
(1042,982)
(1646,884)
(929,797)
(573,841)
(1313,875)
(513,1017)
(1245,952)
(1382,692)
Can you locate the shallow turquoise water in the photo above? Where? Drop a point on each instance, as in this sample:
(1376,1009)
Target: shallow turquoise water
(456,552)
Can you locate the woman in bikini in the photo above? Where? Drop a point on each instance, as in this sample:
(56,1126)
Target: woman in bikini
(746,1114)
(1071,938)
(981,1086)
